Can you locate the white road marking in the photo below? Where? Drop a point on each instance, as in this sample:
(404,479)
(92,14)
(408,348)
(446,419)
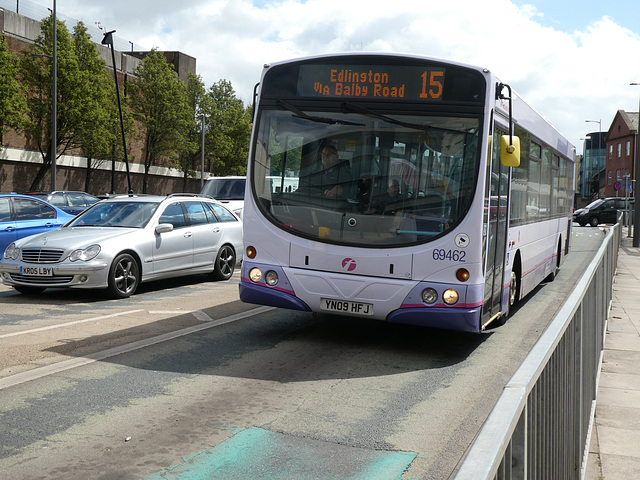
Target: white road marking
(112,352)
(61,325)
(203,317)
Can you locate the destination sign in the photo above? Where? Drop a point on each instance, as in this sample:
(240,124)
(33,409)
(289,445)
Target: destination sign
(391,82)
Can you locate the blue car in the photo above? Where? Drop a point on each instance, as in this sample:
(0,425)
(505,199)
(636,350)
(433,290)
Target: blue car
(70,202)
(22,216)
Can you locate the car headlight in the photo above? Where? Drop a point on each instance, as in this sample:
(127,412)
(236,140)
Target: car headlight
(85,254)
(12,252)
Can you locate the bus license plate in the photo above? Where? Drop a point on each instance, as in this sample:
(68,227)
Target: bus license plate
(346,306)
(37,271)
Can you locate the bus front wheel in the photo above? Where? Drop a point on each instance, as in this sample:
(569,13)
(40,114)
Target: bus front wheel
(513,289)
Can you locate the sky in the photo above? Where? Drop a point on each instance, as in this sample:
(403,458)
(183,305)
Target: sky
(571,61)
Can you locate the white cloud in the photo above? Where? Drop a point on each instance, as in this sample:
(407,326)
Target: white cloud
(568,77)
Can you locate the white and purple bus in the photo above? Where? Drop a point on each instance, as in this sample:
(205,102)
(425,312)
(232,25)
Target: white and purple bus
(450,198)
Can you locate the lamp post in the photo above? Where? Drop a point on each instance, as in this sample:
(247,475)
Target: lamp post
(202,157)
(636,168)
(54,100)
(108,40)
(599,122)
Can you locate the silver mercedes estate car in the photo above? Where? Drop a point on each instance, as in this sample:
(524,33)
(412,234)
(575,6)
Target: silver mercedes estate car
(121,242)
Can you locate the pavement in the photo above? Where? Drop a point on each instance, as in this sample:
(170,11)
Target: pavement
(614,451)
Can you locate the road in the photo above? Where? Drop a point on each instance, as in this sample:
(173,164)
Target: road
(184,381)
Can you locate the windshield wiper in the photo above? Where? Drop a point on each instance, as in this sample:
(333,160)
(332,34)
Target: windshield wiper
(350,107)
(300,114)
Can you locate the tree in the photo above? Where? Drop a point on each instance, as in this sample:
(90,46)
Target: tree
(73,95)
(12,100)
(98,131)
(189,157)
(229,130)
(159,103)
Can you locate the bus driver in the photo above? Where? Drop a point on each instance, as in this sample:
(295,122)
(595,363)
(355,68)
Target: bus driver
(334,179)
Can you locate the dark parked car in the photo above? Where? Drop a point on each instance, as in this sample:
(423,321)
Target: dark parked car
(70,202)
(603,210)
(22,216)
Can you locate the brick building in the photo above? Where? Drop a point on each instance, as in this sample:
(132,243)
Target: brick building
(621,147)
(19,161)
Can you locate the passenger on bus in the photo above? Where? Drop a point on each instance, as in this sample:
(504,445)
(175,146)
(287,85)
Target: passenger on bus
(391,200)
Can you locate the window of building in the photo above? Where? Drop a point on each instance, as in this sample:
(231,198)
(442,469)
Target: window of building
(610,151)
(609,178)
(619,150)
(628,148)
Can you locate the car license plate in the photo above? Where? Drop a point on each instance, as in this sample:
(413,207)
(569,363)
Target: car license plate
(346,306)
(37,271)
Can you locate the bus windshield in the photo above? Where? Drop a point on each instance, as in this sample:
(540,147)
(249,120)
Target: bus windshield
(362,177)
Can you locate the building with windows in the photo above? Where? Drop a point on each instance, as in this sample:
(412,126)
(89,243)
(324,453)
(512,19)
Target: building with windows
(621,147)
(20,160)
(593,165)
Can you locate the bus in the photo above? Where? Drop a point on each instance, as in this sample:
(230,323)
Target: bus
(453,198)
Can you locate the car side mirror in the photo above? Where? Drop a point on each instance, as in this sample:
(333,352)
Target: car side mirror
(164,228)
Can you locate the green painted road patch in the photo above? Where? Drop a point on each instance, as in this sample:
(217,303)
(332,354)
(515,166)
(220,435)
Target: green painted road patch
(258,454)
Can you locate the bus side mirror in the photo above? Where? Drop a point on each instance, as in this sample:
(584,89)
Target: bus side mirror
(510,151)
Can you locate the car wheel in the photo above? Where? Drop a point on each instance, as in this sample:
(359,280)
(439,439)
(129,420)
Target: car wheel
(225,263)
(582,224)
(124,276)
(28,290)
(594,221)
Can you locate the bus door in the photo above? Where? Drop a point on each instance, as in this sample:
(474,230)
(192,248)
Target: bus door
(495,229)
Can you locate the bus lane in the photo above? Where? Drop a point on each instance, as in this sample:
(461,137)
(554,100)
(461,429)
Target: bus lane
(279,393)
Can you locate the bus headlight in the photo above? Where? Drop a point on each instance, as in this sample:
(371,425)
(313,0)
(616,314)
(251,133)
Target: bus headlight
(271,278)
(429,295)
(450,296)
(255,275)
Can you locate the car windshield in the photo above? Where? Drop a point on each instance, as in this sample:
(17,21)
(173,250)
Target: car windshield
(594,203)
(116,214)
(224,188)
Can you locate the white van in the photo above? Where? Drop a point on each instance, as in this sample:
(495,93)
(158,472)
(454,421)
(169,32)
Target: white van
(227,190)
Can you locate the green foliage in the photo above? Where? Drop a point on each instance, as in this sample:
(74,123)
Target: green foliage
(189,158)
(79,95)
(159,103)
(168,113)
(12,97)
(229,130)
(98,133)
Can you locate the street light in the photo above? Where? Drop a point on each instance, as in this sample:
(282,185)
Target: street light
(108,40)
(202,157)
(54,100)
(599,122)
(636,169)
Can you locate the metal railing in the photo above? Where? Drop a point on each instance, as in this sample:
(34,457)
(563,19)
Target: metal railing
(540,426)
